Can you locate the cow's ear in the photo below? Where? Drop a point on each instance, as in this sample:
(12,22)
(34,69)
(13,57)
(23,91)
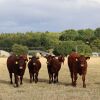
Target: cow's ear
(87,58)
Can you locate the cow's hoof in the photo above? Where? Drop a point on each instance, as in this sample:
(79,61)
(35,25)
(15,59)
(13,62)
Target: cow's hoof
(55,82)
(74,84)
(36,81)
(11,82)
(30,80)
(16,85)
(84,86)
(50,82)
(21,83)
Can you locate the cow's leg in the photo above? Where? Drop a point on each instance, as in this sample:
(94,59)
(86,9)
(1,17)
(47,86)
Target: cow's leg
(36,77)
(55,77)
(10,74)
(75,79)
(31,77)
(16,80)
(72,77)
(21,78)
(50,78)
(83,78)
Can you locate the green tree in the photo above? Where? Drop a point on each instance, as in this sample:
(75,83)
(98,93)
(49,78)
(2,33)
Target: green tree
(95,45)
(86,35)
(19,49)
(65,48)
(68,35)
(49,40)
(97,32)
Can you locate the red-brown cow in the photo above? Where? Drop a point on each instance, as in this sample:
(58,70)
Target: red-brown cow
(16,65)
(34,66)
(53,66)
(77,64)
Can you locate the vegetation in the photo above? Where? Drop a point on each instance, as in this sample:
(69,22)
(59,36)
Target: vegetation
(19,49)
(84,40)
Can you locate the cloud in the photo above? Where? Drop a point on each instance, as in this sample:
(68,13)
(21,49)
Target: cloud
(51,15)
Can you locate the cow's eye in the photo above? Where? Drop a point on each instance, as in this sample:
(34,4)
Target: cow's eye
(16,62)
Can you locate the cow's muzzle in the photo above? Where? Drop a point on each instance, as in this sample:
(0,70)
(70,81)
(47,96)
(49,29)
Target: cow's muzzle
(20,67)
(34,63)
(82,65)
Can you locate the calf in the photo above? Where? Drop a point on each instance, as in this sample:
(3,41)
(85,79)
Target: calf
(34,66)
(16,65)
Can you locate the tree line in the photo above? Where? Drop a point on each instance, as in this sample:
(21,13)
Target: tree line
(85,41)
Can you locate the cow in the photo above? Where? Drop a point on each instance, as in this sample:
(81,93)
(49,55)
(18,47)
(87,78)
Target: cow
(34,66)
(77,65)
(53,66)
(16,65)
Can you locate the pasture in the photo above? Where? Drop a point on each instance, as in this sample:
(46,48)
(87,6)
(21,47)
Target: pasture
(45,91)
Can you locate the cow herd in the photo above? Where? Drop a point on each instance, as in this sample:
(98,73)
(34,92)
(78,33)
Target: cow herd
(17,64)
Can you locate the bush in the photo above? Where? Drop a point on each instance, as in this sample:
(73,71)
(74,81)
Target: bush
(19,49)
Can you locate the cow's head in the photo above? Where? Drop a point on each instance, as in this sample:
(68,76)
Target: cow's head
(61,58)
(21,62)
(33,59)
(82,61)
(49,58)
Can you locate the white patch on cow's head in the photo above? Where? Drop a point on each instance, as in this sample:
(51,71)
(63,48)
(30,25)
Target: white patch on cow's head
(34,63)
(82,65)
(20,67)
(76,59)
(16,62)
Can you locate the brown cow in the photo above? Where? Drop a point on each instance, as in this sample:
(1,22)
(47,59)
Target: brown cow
(53,66)
(82,67)
(34,66)
(16,65)
(77,64)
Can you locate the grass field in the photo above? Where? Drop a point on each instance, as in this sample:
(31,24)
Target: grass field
(44,91)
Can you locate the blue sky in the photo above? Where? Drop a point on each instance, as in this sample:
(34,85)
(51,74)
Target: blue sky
(48,15)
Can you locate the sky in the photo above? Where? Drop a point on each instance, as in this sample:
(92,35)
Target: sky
(48,15)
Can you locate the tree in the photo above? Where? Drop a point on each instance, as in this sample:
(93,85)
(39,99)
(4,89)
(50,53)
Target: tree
(68,35)
(65,48)
(97,32)
(49,41)
(95,45)
(19,49)
(86,35)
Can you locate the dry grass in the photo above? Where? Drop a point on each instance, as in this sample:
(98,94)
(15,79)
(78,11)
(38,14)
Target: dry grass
(44,91)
